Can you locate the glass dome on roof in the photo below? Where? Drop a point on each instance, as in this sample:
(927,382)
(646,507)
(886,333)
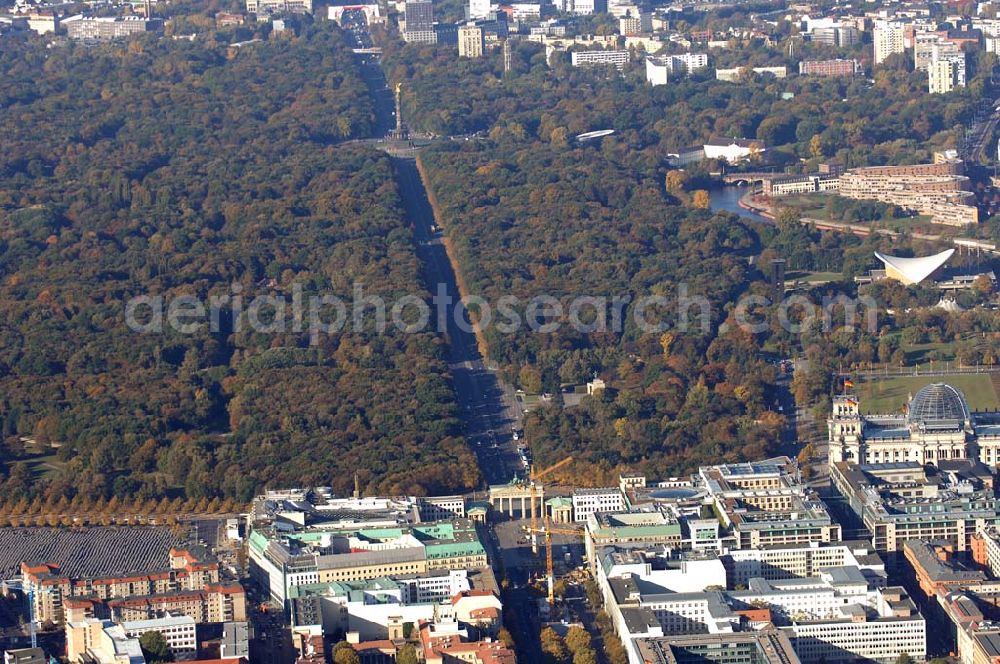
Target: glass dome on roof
(936,403)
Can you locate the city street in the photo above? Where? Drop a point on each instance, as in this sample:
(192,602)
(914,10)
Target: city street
(488,409)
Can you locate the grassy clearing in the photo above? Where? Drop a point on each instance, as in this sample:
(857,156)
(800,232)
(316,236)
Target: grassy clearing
(887,395)
(811,277)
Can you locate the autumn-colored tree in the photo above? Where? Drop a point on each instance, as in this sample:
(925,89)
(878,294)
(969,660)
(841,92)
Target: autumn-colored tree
(407,655)
(344,653)
(577,639)
(530,379)
(666,341)
(553,647)
(676,181)
(816,146)
(983,285)
(505,636)
(806,454)
(701,199)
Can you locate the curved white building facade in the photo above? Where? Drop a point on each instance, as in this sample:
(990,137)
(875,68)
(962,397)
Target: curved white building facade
(913,270)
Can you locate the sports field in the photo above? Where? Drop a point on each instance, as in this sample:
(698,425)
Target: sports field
(887,395)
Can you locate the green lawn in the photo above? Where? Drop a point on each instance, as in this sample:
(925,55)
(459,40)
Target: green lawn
(942,351)
(810,277)
(919,224)
(922,354)
(889,394)
(41,467)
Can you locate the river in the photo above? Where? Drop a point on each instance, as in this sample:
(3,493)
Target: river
(727,199)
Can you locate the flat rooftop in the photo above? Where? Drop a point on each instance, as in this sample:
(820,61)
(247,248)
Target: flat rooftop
(763,647)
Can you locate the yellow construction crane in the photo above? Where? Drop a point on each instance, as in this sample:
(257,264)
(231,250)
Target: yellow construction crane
(548,531)
(533,477)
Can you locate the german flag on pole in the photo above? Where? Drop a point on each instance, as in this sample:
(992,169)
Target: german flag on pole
(848,384)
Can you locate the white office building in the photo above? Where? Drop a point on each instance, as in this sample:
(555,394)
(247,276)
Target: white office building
(878,633)
(179,632)
(599,58)
(590,501)
(796,561)
(661,68)
(480,8)
(812,598)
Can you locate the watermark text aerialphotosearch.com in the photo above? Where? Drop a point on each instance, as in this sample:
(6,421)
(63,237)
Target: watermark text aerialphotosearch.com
(327,314)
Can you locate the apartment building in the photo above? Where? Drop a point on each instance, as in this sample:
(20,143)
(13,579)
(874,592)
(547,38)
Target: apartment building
(977,638)
(734,75)
(279,6)
(444,644)
(936,567)
(585,7)
(189,571)
(840,36)
(946,74)
(216,603)
(923,48)
(102,28)
(470,45)
(986,549)
(888,40)
(630,25)
(418,22)
(480,8)
(599,58)
(938,190)
(43,22)
(94,640)
(838,68)
(958,595)
(660,68)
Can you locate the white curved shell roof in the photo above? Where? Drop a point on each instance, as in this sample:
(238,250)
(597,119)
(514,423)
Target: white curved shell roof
(600,133)
(913,270)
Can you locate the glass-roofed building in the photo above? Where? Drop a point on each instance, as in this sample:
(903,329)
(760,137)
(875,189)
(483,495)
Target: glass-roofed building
(935,424)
